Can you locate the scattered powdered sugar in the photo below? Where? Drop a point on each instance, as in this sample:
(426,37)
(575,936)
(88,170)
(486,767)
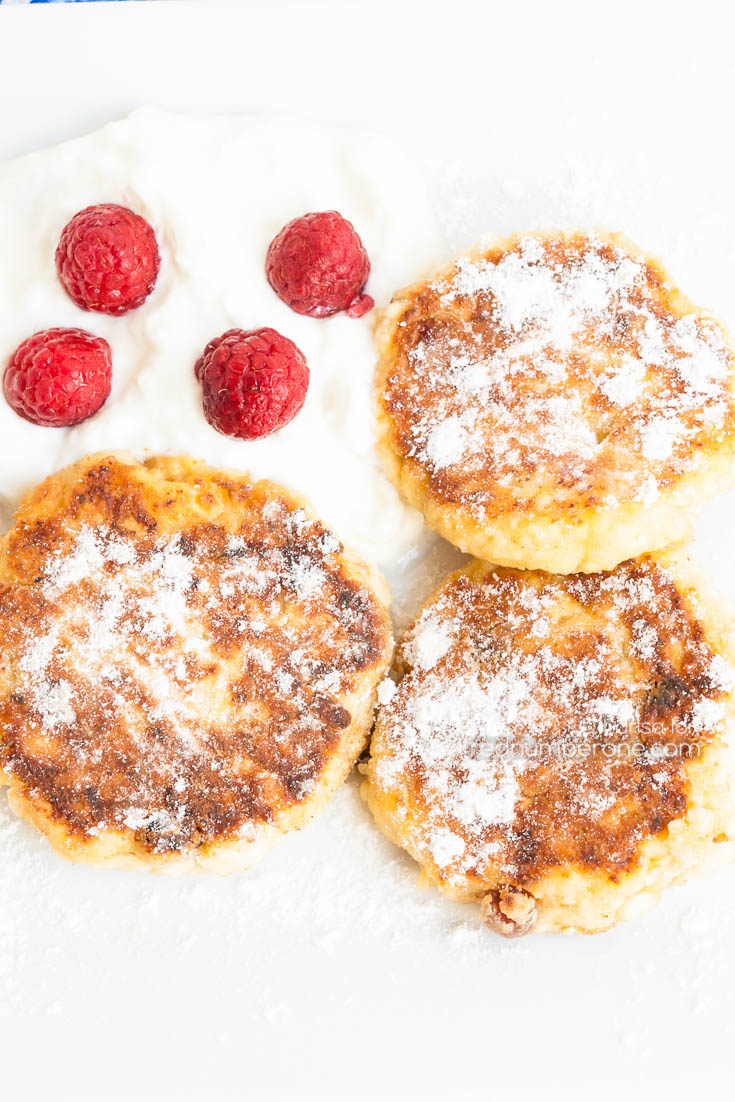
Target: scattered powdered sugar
(159,584)
(660,437)
(622,711)
(429,641)
(446,846)
(308,578)
(707,714)
(150,648)
(386,690)
(449,441)
(52,698)
(529,293)
(625,386)
(329,909)
(721,675)
(503,680)
(577,344)
(454,729)
(648,491)
(644,640)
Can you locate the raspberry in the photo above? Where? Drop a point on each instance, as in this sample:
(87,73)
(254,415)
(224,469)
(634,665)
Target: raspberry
(107,259)
(253,382)
(58,377)
(318,266)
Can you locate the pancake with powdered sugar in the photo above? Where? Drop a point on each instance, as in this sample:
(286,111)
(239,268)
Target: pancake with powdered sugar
(188,662)
(554,402)
(559,747)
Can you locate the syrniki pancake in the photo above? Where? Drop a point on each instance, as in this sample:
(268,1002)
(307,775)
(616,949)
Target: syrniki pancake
(554,402)
(188,662)
(560,747)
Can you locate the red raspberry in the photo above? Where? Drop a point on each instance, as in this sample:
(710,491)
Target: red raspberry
(317,264)
(253,382)
(107,259)
(58,377)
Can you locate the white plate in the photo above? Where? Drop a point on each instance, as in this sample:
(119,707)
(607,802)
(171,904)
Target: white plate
(326,972)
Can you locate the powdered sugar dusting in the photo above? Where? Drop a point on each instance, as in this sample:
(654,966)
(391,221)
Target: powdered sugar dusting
(625,386)
(429,641)
(532,706)
(568,356)
(449,441)
(188,674)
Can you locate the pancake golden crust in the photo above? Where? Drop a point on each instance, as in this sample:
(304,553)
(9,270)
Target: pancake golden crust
(559,747)
(189,662)
(555,403)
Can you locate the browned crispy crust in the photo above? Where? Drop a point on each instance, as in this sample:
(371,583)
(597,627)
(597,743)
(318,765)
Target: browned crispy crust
(246,752)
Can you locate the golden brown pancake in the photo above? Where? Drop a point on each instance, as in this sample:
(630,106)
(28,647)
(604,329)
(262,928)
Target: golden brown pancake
(188,662)
(560,747)
(554,402)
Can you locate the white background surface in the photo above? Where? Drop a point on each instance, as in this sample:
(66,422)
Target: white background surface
(325,972)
